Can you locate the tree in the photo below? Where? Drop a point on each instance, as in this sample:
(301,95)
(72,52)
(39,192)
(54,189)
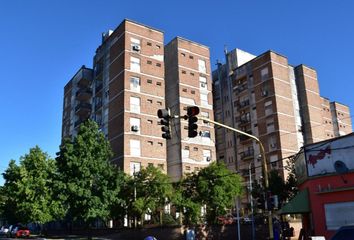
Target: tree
(30,188)
(88,180)
(153,191)
(186,199)
(291,181)
(217,188)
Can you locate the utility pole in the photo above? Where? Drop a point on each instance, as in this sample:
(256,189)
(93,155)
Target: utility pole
(251,200)
(264,164)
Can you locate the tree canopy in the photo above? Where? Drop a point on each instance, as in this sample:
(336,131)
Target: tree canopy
(88,180)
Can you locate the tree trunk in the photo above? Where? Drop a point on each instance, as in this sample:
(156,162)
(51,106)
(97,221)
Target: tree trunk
(161,220)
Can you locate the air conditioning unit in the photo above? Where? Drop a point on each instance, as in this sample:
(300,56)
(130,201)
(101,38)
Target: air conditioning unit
(135,128)
(136,48)
(208,159)
(203,85)
(264,93)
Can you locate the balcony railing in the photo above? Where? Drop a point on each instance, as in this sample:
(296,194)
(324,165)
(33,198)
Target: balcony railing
(247,154)
(84,93)
(244,103)
(83,107)
(240,88)
(244,137)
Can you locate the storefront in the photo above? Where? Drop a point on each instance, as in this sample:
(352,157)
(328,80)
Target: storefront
(325,172)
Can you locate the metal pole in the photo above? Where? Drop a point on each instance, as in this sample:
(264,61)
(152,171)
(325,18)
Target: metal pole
(264,163)
(251,200)
(135,219)
(238,219)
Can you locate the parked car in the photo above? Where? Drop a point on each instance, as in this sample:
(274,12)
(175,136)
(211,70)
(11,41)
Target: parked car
(22,232)
(228,219)
(344,233)
(4,230)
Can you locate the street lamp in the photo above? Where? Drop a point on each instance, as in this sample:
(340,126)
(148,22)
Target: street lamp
(264,164)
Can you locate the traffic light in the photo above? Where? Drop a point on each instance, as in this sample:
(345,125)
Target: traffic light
(165,116)
(192,112)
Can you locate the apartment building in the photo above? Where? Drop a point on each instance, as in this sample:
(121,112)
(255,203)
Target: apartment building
(188,83)
(280,104)
(126,87)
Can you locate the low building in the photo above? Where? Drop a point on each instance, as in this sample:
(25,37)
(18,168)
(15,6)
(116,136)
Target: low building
(325,172)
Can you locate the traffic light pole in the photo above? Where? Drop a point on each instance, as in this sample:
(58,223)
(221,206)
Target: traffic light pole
(264,163)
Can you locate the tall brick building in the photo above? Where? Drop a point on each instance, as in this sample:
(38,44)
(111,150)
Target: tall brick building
(267,97)
(127,86)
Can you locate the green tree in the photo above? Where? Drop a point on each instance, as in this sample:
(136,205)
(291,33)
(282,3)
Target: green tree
(186,199)
(153,190)
(11,175)
(217,188)
(88,180)
(30,189)
(291,181)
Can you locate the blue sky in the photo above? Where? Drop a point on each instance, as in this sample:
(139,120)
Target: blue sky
(43,43)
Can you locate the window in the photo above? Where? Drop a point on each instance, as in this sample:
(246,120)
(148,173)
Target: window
(135,148)
(135,84)
(188,168)
(158,64)
(150,121)
(135,104)
(149,62)
(205,134)
(203,82)
(183,54)
(149,100)
(135,44)
(184,72)
(272,143)
(161,166)
(134,167)
(339,214)
(204,99)
(191,73)
(149,44)
(195,149)
(201,66)
(135,64)
(149,81)
(264,74)
(206,115)
(185,153)
(192,92)
(135,125)
(270,125)
(184,89)
(160,144)
(191,57)
(159,103)
(206,155)
(150,142)
(158,83)
(268,108)
(158,46)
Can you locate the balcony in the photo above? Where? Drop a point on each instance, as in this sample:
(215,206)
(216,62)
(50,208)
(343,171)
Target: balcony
(84,94)
(84,77)
(99,86)
(248,154)
(78,122)
(83,109)
(240,88)
(244,119)
(243,104)
(244,137)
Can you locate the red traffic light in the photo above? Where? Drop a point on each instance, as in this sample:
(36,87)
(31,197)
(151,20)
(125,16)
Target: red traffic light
(192,111)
